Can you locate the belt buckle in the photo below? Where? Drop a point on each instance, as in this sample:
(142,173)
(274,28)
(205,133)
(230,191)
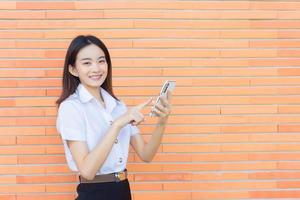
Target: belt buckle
(120,176)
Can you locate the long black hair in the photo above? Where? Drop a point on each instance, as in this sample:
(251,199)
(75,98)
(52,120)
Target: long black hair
(70,82)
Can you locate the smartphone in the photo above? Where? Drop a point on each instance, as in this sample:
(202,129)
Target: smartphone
(168,86)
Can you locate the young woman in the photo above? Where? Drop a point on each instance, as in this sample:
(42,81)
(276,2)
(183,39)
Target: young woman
(96,127)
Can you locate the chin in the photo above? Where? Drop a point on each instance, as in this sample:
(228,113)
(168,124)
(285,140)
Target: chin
(98,84)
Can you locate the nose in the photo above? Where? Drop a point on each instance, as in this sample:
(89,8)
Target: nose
(97,67)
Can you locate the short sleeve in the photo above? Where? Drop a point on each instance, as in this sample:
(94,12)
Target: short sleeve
(70,122)
(134,130)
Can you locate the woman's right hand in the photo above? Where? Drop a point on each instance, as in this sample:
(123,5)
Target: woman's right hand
(133,115)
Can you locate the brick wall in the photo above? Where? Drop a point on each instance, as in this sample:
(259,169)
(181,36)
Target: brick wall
(234,129)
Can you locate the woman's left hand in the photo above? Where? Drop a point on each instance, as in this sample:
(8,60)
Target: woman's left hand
(163,108)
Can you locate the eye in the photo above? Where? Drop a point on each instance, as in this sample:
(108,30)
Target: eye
(87,63)
(102,61)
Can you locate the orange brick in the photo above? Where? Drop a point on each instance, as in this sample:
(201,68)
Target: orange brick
(141,167)
(22,14)
(247,147)
(287,147)
(257,109)
(7,197)
(288,128)
(246,14)
(7,140)
(163,177)
(9,83)
(55,149)
(274,81)
(61,187)
(12,131)
(278,137)
(8,5)
(45,196)
(11,150)
(14,112)
(7,102)
(274,43)
(273,156)
(9,159)
(191,167)
(37,63)
(72,14)
(35,102)
(208,176)
(19,53)
(169,157)
(225,157)
(49,159)
(249,34)
(45,5)
(288,109)
(274,194)
(288,15)
(21,189)
(220,195)
(267,62)
(287,34)
(249,128)
(270,24)
(40,44)
(21,92)
(191,148)
(146,186)
(273,175)
(39,140)
(45,179)
(163,195)
(57,169)
(23,34)
(275,5)
(8,180)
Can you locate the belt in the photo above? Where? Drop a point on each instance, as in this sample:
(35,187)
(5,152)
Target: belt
(102,178)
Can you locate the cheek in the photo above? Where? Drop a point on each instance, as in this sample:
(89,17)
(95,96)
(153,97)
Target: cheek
(80,70)
(105,68)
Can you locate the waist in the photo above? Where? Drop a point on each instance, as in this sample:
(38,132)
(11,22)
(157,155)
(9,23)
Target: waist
(102,178)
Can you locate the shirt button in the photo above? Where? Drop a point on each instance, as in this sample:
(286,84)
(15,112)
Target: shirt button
(120,160)
(116,141)
(110,122)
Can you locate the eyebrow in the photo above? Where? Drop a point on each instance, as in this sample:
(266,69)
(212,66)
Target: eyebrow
(91,59)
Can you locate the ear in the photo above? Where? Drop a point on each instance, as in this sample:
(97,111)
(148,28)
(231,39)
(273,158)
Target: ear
(73,70)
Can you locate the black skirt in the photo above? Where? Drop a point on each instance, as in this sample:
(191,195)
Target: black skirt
(104,191)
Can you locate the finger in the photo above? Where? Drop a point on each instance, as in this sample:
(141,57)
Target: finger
(161,108)
(139,120)
(164,101)
(142,105)
(159,113)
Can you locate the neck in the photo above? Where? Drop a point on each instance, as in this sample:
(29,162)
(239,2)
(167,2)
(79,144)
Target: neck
(96,92)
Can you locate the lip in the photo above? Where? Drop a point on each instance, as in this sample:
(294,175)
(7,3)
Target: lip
(95,77)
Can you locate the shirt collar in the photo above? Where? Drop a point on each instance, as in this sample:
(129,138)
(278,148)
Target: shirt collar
(85,96)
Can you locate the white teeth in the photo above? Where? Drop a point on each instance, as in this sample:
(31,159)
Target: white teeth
(96,77)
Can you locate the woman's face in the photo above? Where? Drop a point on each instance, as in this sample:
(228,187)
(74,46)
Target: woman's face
(90,66)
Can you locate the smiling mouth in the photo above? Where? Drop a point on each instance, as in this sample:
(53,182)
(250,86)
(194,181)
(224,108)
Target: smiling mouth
(95,77)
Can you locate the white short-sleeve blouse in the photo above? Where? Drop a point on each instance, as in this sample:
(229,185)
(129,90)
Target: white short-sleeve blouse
(82,118)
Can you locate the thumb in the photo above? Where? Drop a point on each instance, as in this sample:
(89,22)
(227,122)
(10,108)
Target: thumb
(142,105)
